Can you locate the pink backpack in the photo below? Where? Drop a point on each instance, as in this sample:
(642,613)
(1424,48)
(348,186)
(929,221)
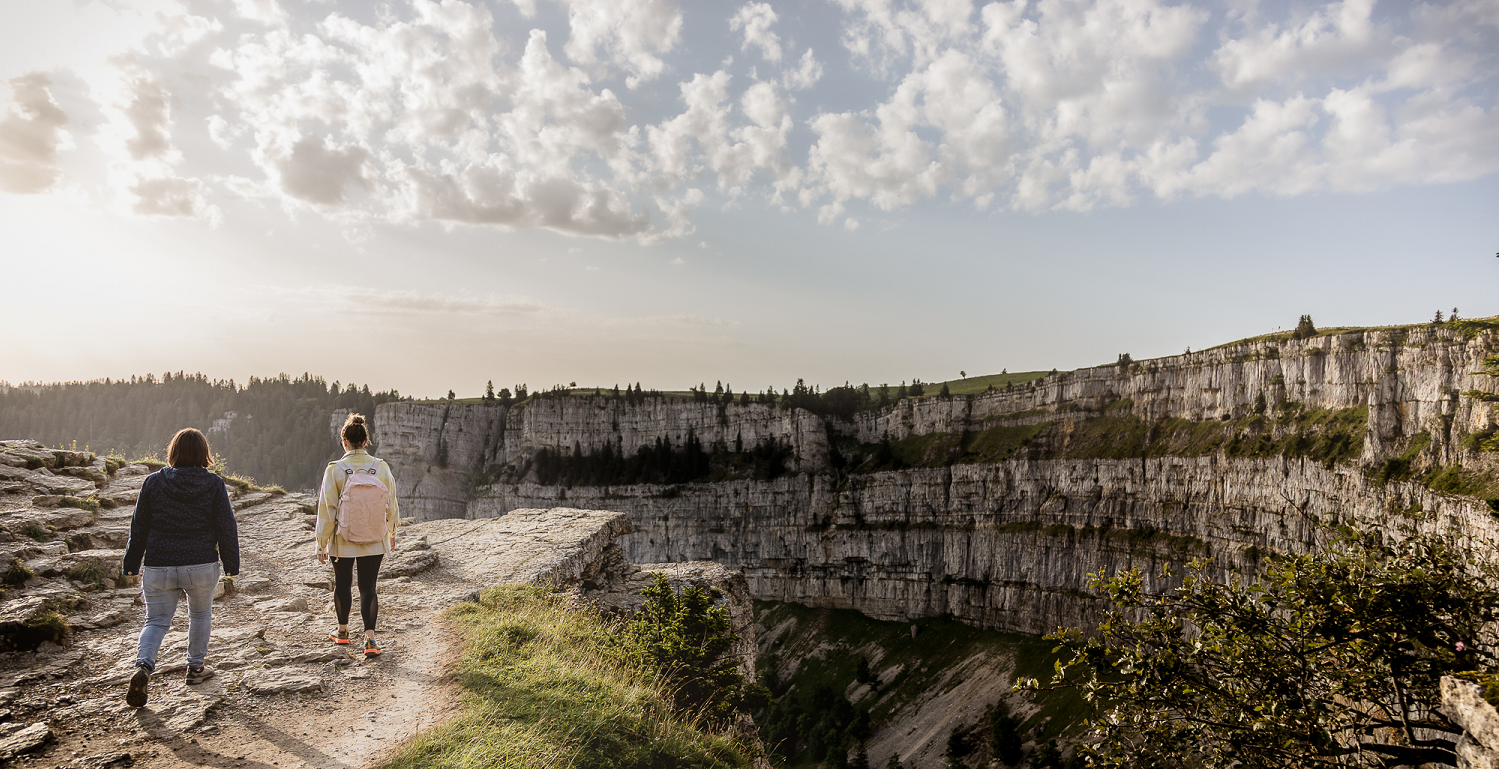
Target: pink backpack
(361,507)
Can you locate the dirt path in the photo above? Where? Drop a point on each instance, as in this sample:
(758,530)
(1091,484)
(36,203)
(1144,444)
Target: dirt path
(284,697)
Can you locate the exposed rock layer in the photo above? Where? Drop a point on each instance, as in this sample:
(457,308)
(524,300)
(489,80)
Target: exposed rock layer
(1006,545)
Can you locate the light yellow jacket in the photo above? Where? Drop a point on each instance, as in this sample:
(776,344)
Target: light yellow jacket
(328,540)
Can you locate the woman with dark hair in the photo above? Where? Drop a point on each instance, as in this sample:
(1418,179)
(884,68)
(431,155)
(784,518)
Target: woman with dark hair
(356,526)
(183,527)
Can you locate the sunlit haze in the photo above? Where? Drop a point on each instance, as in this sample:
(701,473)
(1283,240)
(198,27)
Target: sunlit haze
(431,195)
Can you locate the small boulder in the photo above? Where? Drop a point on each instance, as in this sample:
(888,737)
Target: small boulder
(16,739)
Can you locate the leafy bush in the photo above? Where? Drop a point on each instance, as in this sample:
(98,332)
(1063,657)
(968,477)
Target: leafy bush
(686,640)
(1329,659)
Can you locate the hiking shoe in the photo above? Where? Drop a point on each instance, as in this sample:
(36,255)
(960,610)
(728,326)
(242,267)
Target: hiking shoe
(135,696)
(339,636)
(199,675)
(371,651)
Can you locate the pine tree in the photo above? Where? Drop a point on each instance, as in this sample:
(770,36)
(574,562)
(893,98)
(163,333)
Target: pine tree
(489,393)
(1304,329)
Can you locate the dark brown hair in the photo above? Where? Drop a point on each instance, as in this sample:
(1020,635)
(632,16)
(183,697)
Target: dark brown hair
(355,432)
(189,449)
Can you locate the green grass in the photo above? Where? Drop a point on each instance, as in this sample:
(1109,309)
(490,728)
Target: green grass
(545,685)
(88,572)
(35,531)
(240,485)
(977,384)
(79,503)
(16,574)
(1468,327)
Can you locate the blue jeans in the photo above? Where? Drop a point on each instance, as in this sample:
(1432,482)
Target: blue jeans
(162,586)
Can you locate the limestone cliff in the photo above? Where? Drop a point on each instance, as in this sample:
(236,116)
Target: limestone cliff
(1005,539)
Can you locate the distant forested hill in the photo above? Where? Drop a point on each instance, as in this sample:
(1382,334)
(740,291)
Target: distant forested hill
(274,430)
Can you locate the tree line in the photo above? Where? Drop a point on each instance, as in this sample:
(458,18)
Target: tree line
(278,432)
(658,462)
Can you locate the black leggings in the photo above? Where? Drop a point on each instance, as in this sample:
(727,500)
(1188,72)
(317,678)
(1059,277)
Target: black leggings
(343,581)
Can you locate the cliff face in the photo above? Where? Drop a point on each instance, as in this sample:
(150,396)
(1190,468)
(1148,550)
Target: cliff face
(436,452)
(1005,546)
(1002,544)
(1411,380)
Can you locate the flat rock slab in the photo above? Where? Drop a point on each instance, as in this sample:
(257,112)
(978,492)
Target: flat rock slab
(16,739)
(280,681)
(525,546)
(177,712)
(103,761)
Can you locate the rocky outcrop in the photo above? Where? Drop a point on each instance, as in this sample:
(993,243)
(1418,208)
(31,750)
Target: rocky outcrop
(1464,703)
(1003,544)
(69,622)
(1411,379)
(436,452)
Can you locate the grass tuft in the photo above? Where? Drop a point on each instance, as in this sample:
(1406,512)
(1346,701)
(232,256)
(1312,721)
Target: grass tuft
(544,685)
(87,572)
(79,503)
(35,531)
(17,573)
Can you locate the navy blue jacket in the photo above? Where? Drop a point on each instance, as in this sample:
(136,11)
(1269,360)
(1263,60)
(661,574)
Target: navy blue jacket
(182,518)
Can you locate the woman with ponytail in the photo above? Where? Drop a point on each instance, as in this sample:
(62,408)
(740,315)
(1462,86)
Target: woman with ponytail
(356,526)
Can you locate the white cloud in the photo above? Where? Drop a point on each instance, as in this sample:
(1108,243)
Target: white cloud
(756,19)
(317,173)
(146,160)
(31,133)
(1333,39)
(630,34)
(429,111)
(365,300)
(808,71)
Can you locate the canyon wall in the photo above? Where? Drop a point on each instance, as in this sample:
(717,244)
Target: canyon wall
(1004,544)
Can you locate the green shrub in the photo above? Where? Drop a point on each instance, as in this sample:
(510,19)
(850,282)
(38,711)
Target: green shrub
(79,541)
(685,640)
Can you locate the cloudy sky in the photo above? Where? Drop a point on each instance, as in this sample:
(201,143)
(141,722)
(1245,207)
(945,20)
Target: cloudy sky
(428,195)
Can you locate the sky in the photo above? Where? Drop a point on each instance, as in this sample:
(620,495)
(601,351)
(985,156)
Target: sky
(429,195)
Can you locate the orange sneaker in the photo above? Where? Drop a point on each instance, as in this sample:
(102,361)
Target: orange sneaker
(339,637)
(370,649)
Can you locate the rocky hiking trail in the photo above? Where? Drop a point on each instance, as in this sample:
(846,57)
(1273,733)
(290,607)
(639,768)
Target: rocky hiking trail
(284,696)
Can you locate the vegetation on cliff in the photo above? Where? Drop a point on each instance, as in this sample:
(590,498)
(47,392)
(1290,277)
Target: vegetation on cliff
(838,677)
(1329,436)
(1330,659)
(548,683)
(278,432)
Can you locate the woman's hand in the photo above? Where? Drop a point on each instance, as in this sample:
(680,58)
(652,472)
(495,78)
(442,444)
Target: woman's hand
(322,557)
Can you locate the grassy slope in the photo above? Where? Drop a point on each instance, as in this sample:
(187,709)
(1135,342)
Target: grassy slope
(542,686)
